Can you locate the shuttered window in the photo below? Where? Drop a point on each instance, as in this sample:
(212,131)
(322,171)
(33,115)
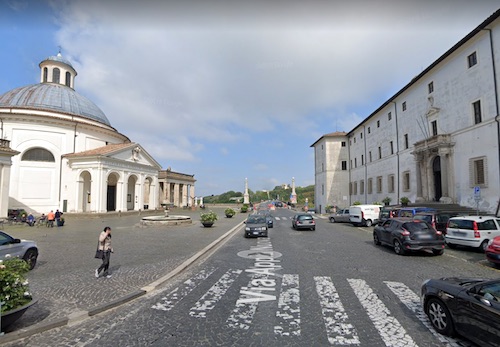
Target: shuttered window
(478,172)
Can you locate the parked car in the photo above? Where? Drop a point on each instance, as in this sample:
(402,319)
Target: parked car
(341,216)
(493,251)
(24,249)
(472,231)
(411,211)
(256,226)
(406,234)
(364,214)
(303,221)
(386,213)
(438,219)
(469,307)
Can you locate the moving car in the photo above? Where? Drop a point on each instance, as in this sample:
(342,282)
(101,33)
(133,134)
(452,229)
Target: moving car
(24,249)
(256,226)
(438,219)
(472,231)
(492,251)
(364,214)
(303,221)
(469,307)
(342,216)
(405,234)
(269,217)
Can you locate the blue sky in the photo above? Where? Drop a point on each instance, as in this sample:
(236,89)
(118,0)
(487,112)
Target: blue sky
(228,90)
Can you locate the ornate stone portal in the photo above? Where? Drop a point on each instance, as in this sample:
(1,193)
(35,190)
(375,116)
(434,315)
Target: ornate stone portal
(433,158)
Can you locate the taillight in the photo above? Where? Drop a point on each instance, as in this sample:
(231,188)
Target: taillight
(438,232)
(477,234)
(405,232)
(313,222)
(434,225)
(362,215)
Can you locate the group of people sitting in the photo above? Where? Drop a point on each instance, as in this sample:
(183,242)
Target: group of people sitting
(48,220)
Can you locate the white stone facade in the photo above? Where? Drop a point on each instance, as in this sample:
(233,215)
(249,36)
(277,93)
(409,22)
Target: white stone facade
(435,140)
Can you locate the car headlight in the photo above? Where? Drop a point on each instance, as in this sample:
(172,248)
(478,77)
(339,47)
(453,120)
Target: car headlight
(247,229)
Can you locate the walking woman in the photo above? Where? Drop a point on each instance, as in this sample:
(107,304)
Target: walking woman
(105,246)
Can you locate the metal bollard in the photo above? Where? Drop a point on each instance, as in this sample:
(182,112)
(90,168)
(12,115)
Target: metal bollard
(1,303)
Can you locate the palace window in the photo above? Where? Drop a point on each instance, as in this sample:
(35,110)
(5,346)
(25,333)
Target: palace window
(378,124)
(38,154)
(370,185)
(45,74)
(390,183)
(404,106)
(477,112)
(392,147)
(434,126)
(343,144)
(430,86)
(406,141)
(68,79)
(355,188)
(361,187)
(56,75)
(379,184)
(477,171)
(472,60)
(380,152)
(406,181)
(389,116)
(344,165)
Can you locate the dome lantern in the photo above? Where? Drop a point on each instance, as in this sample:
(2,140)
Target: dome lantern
(56,69)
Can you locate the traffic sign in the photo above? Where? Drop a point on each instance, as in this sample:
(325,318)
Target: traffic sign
(477,193)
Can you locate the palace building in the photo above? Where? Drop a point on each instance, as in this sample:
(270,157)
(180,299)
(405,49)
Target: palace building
(437,139)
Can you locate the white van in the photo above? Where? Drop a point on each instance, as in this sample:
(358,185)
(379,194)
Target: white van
(364,214)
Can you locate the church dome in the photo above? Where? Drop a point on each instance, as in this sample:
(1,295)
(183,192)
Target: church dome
(55,92)
(53,97)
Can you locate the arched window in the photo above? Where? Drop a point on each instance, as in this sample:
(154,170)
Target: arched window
(56,75)
(38,154)
(45,73)
(68,79)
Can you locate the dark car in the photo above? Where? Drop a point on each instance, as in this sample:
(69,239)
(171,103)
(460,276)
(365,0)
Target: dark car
(256,226)
(406,234)
(492,251)
(269,217)
(303,221)
(469,307)
(438,219)
(24,249)
(387,213)
(411,211)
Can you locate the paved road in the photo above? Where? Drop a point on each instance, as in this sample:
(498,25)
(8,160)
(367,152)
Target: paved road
(331,286)
(64,281)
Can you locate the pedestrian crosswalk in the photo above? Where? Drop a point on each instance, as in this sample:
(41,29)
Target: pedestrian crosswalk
(339,327)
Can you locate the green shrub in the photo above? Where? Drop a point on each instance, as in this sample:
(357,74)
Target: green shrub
(14,290)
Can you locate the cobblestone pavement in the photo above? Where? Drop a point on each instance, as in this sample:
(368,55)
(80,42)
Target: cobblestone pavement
(63,280)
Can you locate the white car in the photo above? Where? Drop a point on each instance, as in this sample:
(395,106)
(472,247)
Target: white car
(472,231)
(366,215)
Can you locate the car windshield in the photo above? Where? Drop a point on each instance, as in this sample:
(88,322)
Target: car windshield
(427,218)
(305,217)
(256,219)
(415,226)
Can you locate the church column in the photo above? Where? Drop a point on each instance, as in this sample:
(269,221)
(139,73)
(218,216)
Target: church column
(176,195)
(121,197)
(184,195)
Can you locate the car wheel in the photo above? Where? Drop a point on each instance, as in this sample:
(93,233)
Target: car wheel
(440,317)
(483,246)
(451,245)
(30,257)
(332,220)
(438,251)
(398,248)
(376,240)
(368,222)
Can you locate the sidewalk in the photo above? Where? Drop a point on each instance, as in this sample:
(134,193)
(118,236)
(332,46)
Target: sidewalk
(63,280)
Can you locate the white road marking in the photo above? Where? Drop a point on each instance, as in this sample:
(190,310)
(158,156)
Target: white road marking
(288,312)
(243,313)
(412,302)
(208,301)
(391,331)
(338,331)
(179,293)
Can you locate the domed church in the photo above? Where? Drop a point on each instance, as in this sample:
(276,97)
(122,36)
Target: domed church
(59,151)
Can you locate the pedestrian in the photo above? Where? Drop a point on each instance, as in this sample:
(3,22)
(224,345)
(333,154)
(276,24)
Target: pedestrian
(30,220)
(50,218)
(57,216)
(104,245)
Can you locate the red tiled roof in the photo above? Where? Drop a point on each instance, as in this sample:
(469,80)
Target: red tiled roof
(104,150)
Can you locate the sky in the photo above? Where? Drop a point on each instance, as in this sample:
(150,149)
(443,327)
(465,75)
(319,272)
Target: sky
(234,90)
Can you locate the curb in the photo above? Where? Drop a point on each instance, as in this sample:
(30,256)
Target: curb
(78,316)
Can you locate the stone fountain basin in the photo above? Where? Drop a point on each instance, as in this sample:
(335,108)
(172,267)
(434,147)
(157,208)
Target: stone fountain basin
(166,220)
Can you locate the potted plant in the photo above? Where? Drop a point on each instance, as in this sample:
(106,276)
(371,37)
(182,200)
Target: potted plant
(244,208)
(356,203)
(386,201)
(208,218)
(229,212)
(404,201)
(15,297)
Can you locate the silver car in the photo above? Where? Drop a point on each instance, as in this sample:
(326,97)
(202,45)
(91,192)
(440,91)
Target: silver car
(24,249)
(340,216)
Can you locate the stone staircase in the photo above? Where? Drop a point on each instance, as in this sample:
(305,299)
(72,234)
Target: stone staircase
(463,210)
